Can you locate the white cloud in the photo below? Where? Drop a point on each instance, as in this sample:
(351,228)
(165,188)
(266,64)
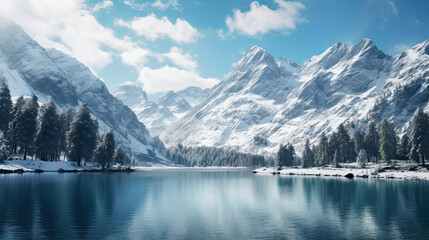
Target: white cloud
(400,47)
(393,8)
(221,34)
(102,5)
(160,4)
(418,22)
(170,78)
(137,6)
(136,57)
(260,19)
(69,26)
(183,60)
(154,28)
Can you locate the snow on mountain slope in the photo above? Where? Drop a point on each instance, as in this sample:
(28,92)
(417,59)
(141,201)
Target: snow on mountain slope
(263,102)
(158,115)
(193,95)
(131,95)
(28,68)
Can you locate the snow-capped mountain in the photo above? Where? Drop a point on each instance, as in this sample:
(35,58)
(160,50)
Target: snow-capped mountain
(158,115)
(28,68)
(193,95)
(264,101)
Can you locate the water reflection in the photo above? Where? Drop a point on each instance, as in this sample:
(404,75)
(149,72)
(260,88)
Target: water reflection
(196,204)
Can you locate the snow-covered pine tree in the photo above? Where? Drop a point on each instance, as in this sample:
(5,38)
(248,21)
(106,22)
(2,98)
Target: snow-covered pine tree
(26,125)
(64,120)
(12,129)
(48,136)
(403,148)
(322,151)
(5,108)
(336,160)
(358,140)
(97,126)
(387,141)
(105,150)
(419,137)
(372,141)
(121,157)
(362,159)
(307,156)
(82,136)
(4,154)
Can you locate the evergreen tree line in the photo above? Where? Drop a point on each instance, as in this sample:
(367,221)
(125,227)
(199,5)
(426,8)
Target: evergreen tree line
(49,135)
(378,142)
(212,156)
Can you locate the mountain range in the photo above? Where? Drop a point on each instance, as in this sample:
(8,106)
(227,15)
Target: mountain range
(158,115)
(261,103)
(27,68)
(264,102)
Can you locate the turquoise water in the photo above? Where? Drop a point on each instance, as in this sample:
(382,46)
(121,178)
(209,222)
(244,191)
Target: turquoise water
(209,204)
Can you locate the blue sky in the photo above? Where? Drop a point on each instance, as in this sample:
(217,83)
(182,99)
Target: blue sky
(171,44)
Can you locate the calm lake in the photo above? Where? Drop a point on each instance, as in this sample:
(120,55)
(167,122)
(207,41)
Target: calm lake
(209,204)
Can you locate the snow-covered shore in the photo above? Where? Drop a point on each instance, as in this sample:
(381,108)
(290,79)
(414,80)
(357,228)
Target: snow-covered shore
(401,170)
(18,166)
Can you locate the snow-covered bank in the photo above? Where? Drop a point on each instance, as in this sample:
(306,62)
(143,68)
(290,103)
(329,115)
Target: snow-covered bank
(42,166)
(143,168)
(399,171)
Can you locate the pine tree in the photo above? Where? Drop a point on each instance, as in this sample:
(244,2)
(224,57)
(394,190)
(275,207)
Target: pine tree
(307,156)
(345,146)
(419,136)
(362,158)
(372,141)
(121,157)
(403,148)
(105,149)
(48,136)
(5,108)
(358,140)
(281,156)
(64,121)
(13,130)
(4,154)
(332,147)
(322,151)
(26,125)
(387,141)
(336,161)
(285,156)
(290,155)
(97,126)
(82,136)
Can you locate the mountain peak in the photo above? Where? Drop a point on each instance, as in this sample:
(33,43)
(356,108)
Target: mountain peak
(365,43)
(130,94)
(422,47)
(254,57)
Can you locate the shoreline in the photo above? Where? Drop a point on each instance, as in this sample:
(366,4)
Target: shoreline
(38,166)
(375,171)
